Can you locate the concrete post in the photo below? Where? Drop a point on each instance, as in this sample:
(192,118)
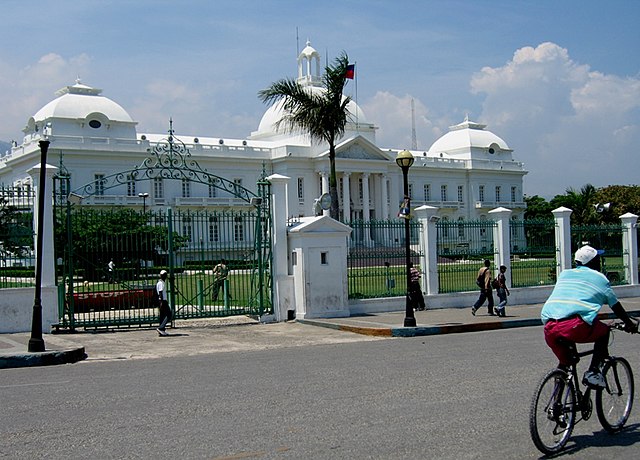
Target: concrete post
(48,255)
(562,217)
(428,218)
(279,216)
(630,247)
(502,240)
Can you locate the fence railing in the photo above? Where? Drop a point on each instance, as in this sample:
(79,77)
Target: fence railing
(17,258)
(377,257)
(533,256)
(462,246)
(609,238)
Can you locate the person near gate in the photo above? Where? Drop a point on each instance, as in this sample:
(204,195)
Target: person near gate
(165,309)
(500,283)
(111,267)
(220,274)
(486,291)
(415,292)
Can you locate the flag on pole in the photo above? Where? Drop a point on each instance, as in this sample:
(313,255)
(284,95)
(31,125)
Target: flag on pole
(350,73)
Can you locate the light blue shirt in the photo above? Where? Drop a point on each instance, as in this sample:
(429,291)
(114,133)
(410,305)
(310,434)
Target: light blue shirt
(580,291)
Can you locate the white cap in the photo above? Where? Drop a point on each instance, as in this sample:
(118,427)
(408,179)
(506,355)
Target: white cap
(585,254)
(163,272)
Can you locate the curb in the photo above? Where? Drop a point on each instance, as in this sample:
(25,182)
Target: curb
(46,358)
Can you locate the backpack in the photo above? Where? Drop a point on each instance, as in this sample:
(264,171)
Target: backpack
(495,284)
(480,279)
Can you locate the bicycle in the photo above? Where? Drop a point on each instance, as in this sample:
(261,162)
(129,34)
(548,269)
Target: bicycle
(558,400)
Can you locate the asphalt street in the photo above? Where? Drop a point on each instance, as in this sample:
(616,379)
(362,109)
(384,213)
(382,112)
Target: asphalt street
(452,396)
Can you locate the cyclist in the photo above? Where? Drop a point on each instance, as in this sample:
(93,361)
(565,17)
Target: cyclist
(570,313)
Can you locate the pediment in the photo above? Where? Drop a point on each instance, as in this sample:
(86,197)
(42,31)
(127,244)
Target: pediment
(358,148)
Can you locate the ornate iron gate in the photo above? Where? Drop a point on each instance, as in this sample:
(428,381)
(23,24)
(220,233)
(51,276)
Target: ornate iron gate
(109,259)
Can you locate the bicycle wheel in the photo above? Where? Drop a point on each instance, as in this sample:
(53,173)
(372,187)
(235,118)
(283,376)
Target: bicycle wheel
(614,402)
(553,412)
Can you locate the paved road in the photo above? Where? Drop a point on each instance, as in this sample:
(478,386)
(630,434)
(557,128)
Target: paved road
(456,396)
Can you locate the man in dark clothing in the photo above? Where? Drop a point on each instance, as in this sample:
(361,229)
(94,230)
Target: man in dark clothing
(486,292)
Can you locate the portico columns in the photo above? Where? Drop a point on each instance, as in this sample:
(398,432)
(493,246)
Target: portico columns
(366,212)
(324,177)
(346,197)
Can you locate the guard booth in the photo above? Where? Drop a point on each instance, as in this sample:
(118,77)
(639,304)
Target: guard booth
(318,262)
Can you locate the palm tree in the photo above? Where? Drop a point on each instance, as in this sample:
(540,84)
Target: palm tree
(322,114)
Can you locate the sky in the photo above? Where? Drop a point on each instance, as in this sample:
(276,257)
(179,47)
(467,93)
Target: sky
(558,80)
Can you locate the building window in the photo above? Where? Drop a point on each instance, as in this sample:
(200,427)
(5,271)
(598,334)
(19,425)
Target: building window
(360,190)
(460,194)
(301,190)
(513,194)
(187,231)
(481,193)
(411,191)
(158,188)
(214,233)
(497,193)
(324,258)
(237,183)
(131,185)
(238,229)
(426,189)
(461,227)
(99,183)
(186,188)
(213,191)
(443,193)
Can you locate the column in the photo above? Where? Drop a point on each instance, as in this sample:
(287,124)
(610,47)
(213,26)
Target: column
(502,240)
(346,197)
(384,193)
(365,210)
(427,215)
(562,217)
(630,247)
(48,256)
(324,178)
(279,215)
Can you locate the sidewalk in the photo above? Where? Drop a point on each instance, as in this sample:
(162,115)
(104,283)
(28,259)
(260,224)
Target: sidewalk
(241,333)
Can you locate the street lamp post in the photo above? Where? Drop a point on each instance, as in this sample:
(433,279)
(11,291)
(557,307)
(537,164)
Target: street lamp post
(36,343)
(405,160)
(144,196)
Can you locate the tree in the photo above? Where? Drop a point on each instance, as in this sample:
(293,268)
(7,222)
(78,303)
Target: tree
(16,232)
(537,208)
(322,114)
(580,202)
(622,198)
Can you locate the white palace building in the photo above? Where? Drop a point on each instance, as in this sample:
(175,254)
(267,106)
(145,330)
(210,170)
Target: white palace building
(466,173)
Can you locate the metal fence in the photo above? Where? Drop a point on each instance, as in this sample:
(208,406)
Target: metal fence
(17,258)
(462,246)
(533,252)
(377,257)
(608,237)
(112,259)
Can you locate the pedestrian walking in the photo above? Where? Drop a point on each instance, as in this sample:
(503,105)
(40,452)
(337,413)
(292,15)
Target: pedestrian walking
(415,292)
(111,267)
(486,291)
(165,309)
(220,274)
(502,290)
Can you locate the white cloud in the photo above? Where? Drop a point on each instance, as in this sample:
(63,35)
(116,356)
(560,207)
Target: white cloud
(570,126)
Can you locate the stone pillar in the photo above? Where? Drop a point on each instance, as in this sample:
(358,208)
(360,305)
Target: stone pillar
(562,217)
(346,197)
(48,254)
(502,240)
(429,263)
(283,289)
(630,247)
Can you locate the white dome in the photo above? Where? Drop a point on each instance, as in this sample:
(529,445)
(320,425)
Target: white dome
(78,102)
(275,113)
(467,135)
